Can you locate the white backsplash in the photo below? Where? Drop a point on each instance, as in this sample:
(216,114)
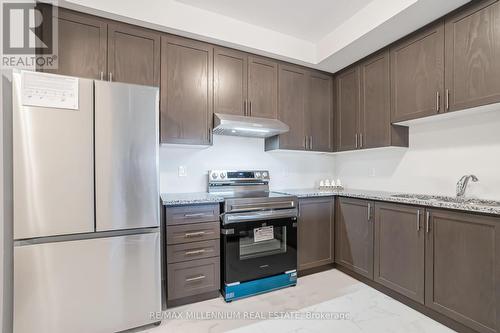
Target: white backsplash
(440,153)
(287,169)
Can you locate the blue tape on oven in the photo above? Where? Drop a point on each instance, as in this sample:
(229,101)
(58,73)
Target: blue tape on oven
(259,286)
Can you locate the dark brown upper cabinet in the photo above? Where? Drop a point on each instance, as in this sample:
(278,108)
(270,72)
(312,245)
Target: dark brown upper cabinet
(186,91)
(364,107)
(133,55)
(292,95)
(319,112)
(305,104)
(463,268)
(347,86)
(472,63)
(245,85)
(262,87)
(417,69)
(375,106)
(82,48)
(399,249)
(354,235)
(230,82)
(315,232)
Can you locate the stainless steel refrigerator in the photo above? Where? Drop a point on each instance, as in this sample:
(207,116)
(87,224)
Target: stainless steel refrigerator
(86,204)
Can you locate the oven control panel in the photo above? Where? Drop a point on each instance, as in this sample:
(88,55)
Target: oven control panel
(238,175)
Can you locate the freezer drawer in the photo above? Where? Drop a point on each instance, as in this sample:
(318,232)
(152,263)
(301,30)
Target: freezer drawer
(126,153)
(95,285)
(53,159)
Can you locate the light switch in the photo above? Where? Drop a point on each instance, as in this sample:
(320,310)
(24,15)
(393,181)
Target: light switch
(182,171)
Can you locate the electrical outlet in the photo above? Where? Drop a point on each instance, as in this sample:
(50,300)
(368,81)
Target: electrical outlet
(182,172)
(372,172)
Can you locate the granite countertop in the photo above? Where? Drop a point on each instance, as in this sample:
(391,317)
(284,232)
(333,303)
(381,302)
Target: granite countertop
(179,199)
(492,208)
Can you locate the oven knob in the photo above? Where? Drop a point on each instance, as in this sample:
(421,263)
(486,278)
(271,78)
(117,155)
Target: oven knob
(214,175)
(257,175)
(222,175)
(265,175)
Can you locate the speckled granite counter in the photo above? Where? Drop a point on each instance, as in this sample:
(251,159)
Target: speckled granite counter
(179,199)
(421,200)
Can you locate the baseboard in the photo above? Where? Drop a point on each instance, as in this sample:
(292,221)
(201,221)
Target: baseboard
(314,270)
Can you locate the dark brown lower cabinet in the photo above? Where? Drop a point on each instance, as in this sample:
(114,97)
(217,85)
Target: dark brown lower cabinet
(354,236)
(400,249)
(315,232)
(463,268)
(192,254)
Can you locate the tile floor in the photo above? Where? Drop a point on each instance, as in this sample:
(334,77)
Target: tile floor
(331,294)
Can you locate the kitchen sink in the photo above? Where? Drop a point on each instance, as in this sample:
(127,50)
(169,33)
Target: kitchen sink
(467,201)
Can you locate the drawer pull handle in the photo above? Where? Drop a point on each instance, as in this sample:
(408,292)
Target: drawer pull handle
(191,253)
(195,215)
(196,278)
(194,234)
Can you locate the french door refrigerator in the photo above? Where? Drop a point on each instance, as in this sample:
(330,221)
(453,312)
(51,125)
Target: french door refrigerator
(86,204)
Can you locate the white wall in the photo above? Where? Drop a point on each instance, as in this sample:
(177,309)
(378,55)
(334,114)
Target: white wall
(287,169)
(440,153)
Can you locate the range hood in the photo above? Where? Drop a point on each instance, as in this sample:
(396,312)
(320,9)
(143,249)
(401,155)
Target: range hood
(227,124)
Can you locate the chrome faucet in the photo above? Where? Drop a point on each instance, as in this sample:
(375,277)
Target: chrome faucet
(462,184)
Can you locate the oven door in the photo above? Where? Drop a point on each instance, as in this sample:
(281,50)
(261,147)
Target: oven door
(257,249)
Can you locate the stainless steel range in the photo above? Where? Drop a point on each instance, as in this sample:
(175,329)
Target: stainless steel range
(259,233)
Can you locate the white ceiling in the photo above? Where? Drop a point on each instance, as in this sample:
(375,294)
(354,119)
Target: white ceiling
(310,20)
(324,34)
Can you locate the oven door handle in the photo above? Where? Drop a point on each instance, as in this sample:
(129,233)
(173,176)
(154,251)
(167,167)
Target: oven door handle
(258,216)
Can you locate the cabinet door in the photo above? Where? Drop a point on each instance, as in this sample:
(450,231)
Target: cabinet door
(354,236)
(399,249)
(463,268)
(315,233)
(230,82)
(472,56)
(82,45)
(292,92)
(262,88)
(347,109)
(375,113)
(186,91)
(133,55)
(417,68)
(319,112)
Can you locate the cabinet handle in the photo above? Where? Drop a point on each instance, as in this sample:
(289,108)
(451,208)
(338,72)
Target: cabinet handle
(195,215)
(418,220)
(305,142)
(194,252)
(428,222)
(244,107)
(194,234)
(447,99)
(196,278)
(360,140)
(310,142)
(356,140)
(369,212)
(102,76)
(250,108)
(438,97)
(110,77)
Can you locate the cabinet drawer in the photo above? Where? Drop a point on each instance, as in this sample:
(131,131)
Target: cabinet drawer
(188,233)
(192,214)
(191,251)
(193,277)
